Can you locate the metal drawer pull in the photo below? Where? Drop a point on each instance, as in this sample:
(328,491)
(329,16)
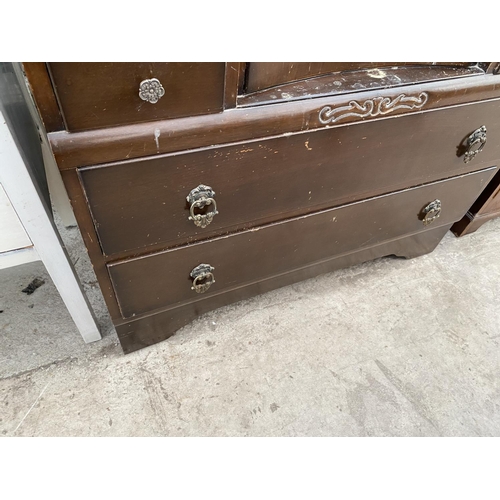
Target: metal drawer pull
(200,197)
(475,143)
(151,90)
(431,212)
(203,278)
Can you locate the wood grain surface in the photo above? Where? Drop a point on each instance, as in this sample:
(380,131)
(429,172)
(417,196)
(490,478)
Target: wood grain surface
(141,205)
(97,95)
(141,332)
(161,280)
(242,124)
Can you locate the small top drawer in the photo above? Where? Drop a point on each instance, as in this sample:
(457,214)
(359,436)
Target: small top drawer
(96,95)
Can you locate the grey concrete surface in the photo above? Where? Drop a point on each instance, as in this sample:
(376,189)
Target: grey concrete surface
(36,330)
(392,347)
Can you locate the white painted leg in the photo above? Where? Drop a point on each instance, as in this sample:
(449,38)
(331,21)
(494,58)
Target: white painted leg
(24,196)
(57,191)
(58,194)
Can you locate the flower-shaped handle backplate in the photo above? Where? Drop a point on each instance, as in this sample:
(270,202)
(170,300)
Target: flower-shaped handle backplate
(151,90)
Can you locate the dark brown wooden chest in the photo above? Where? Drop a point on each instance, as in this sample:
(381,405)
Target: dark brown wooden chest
(196,185)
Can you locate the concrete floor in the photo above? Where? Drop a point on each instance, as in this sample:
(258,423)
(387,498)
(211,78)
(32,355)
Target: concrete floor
(388,348)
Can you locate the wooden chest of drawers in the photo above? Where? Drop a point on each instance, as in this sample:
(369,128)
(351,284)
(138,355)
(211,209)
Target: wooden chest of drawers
(196,185)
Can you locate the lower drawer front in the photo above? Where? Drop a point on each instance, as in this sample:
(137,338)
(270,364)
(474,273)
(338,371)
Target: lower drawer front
(163,279)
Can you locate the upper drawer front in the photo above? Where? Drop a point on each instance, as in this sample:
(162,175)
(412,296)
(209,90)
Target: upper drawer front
(96,95)
(262,75)
(142,203)
(160,280)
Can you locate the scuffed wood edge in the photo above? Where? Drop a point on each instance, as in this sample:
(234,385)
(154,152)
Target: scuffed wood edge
(40,86)
(231,83)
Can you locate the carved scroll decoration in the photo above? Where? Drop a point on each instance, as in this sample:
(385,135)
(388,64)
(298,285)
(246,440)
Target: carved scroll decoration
(372,107)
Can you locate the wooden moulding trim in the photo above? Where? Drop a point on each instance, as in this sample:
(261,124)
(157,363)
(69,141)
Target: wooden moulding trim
(231,84)
(40,87)
(94,147)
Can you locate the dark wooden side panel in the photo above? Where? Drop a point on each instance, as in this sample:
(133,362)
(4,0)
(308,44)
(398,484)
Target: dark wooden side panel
(485,208)
(489,200)
(40,87)
(470,223)
(78,202)
(157,281)
(149,330)
(142,204)
(95,95)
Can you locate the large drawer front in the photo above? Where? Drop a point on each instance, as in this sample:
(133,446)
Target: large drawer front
(142,203)
(96,95)
(160,280)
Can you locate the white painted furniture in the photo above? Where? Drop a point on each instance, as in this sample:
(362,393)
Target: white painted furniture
(15,245)
(28,233)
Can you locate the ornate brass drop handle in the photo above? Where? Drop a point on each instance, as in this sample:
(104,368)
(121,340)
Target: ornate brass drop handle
(431,212)
(203,278)
(475,143)
(201,197)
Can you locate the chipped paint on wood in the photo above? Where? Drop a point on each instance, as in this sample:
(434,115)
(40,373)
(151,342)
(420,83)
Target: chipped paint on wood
(157,137)
(376,73)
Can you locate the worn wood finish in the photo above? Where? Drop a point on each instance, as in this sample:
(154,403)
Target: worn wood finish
(134,141)
(140,205)
(96,95)
(485,208)
(40,86)
(148,330)
(355,82)
(157,281)
(232,78)
(492,67)
(262,75)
